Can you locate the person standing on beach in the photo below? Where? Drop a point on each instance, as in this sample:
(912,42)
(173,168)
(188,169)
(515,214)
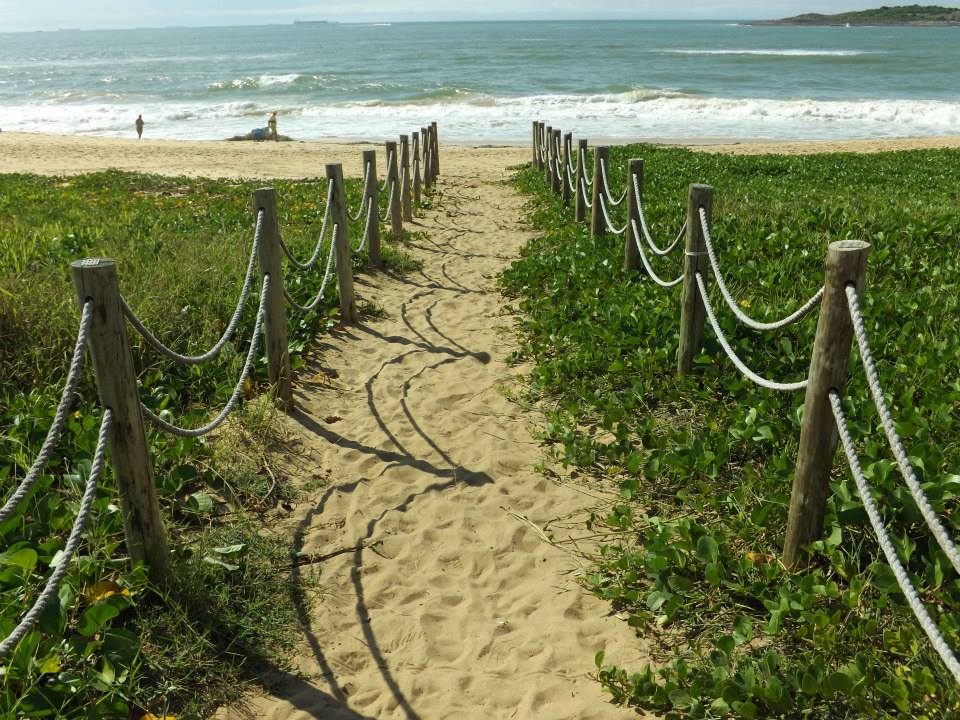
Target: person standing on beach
(272,125)
(139,124)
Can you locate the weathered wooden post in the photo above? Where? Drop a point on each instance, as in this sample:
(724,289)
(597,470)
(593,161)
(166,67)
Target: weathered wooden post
(557,173)
(567,163)
(581,199)
(96,280)
(341,235)
(435,149)
(416,169)
(393,187)
(631,253)
(548,160)
(427,163)
(597,225)
(275,323)
(541,146)
(372,193)
(405,199)
(536,144)
(846,264)
(693,311)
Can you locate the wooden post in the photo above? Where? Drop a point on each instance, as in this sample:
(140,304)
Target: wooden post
(405,200)
(580,202)
(541,146)
(597,225)
(536,144)
(427,164)
(548,159)
(338,216)
(96,280)
(556,175)
(846,263)
(393,188)
(693,313)
(631,254)
(372,194)
(567,162)
(416,169)
(435,149)
(275,327)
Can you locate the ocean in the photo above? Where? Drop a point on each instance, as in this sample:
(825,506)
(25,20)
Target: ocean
(486,82)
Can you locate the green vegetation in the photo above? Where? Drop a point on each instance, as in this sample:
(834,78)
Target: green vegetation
(114,647)
(897,15)
(704,465)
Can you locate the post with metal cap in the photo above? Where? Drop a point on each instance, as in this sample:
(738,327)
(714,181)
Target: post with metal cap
(338,216)
(598,226)
(548,154)
(693,312)
(580,206)
(405,190)
(846,264)
(536,144)
(427,163)
(417,180)
(631,250)
(435,149)
(556,175)
(275,323)
(96,280)
(567,164)
(372,194)
(393,187)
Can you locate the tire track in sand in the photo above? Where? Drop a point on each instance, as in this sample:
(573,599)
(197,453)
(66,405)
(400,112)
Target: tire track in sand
(448,606)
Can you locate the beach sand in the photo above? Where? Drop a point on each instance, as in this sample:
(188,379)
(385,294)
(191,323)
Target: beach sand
(73,154)
(441,594)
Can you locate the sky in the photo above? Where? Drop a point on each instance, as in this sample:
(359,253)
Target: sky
(21,15)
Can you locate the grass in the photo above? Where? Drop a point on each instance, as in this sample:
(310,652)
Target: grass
(113,646)
(704,465)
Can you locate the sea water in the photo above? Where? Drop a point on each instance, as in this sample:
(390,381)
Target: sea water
(487,81)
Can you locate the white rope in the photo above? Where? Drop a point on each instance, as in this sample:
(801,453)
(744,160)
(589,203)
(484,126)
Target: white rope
(366,227)
(586,177)
(762,382)
(903,580)
(571,181)
(606,216)
(315,303)
(383,185)
(646,263)
(323,232)
(646,228)
(583,192)
(238,389)
(52,588)
(889,427)
(213,352)
(393,198)
(798,314)
(606,186)
(59,418)
(363,197)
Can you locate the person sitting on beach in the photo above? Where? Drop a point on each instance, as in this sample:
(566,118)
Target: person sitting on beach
(139,124)
(272,126)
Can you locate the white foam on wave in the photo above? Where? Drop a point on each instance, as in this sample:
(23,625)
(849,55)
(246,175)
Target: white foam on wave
(774,53)
(631,115)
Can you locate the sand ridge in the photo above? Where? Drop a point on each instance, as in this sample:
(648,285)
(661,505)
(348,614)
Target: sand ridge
(447,603)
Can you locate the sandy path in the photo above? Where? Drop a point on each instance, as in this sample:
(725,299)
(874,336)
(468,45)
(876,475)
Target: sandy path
(460,610)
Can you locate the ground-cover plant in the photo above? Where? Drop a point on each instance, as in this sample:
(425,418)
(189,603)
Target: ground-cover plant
(705,464)
(112,646)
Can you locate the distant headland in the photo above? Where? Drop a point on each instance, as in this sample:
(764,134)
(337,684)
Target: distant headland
(908,15)
(311,22)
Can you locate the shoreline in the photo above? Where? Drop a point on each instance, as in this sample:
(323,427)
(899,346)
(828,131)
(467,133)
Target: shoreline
(46,154)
